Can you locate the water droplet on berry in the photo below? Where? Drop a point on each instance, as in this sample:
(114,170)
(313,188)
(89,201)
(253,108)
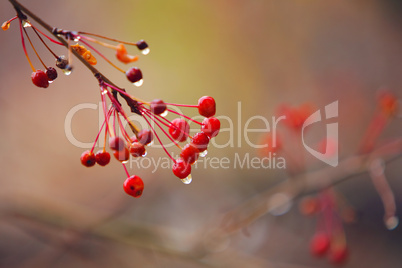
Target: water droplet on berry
(151,143)
(51,81)
(67,71)
(203,154)
(145,51)
(392,222)
(139,83)
(145,154)
(165,113)
(26,24)
(77,38)
(187,180)
(104,92)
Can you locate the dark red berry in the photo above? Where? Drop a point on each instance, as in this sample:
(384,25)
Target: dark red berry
(137,149)
(200,141)
(116,143)
(179,129)
(211,126)
(102,158)
(51,73)
(206,106)
(145,136)
(189,154)
(320,244)
(338,255)
(181,169)
(141,45)
(134,74)
(122,155)
(88,159)
(133,186)
(61,62)
(39,78)
(158,106)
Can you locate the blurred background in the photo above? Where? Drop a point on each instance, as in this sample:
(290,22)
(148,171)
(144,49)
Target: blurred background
(251,56)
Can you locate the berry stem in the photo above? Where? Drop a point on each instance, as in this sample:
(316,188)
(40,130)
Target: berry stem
(43,42)
(126,94)
(185,116)
(24,47)
(125,169)
(156,134)
(100,54)
(97,136)
(97,42)
(152,117)
(108,38)
(182,105)
(48,37)
(33,47)
(123,131)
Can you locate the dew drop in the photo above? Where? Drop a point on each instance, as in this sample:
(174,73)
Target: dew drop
(26,24)
(165,113)
(145,51)
(145,154)
(151,143)
(203,154)
(187,180)
(77,38)
(51,81)
(125,161)
(104,92)
(67,71)
(139,83)
(392,222)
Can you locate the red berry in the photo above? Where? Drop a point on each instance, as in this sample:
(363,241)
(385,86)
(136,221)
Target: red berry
(189,154)
(88,159)
(181,169)
(338,255)
(102,158)
(206,106)
(39,78)
(200,141)
(134,74)
(158,106)
(179,129)
(145,136)
(137,149)
(211,126)
(116,143)
(122,155)
(51,73)
(320,244)
(133,186)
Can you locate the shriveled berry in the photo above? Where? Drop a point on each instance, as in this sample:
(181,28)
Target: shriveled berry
(189,154)
(141,45)
(145,136)
(88,159)
(51,73)
(338,255)
(39,78)
(179,129)
(320,244)
(62,62)
(134,74)
(211,126)
(133,186)
(116,143)
(181,169)
(137,149)
(206,106)
(122,155)
(102,158)
(158,106)
(200,141)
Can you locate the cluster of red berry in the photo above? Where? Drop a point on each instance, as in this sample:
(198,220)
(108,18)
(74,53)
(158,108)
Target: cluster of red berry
(153,112)
(329,239)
